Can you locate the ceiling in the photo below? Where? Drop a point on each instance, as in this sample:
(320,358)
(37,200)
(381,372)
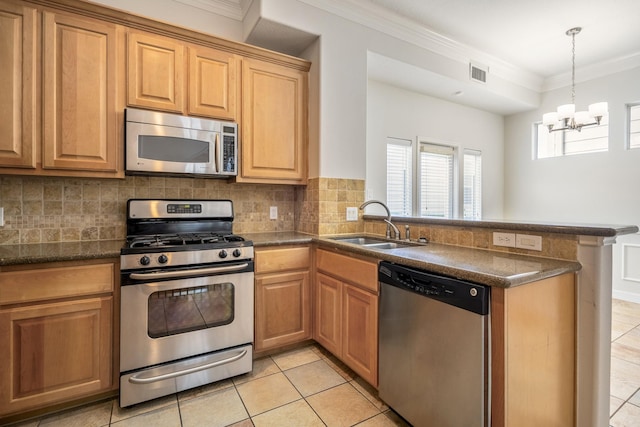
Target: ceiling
(531,34)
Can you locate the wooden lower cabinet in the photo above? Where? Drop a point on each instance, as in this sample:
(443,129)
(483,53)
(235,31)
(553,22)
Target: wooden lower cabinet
(360,332)
(346,311)
(56,339)
(282,297)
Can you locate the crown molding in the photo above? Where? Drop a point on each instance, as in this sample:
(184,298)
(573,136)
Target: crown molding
(379,19)
(593,71)
(234,9)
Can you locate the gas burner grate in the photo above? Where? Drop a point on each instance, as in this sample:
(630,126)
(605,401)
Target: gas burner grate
(181,239)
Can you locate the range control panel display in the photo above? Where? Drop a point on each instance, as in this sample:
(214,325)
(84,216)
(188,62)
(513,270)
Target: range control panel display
(174,208)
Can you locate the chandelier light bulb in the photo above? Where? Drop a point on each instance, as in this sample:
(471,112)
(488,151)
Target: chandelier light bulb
(550,119)
(582,118)
(566,111)
(599,109)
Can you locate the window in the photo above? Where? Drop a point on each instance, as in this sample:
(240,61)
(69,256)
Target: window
(423,180)
(633,114)
(436,180)
(589,139)
(472,185)
(399,177)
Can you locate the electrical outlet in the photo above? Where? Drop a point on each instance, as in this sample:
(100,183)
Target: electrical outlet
(526,241)
(273,212)
(352,214)
(504,239)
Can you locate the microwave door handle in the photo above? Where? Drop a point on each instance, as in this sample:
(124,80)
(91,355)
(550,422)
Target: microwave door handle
(218,155)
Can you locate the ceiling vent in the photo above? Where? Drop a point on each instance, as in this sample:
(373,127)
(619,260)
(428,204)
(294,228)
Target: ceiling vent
(478,73)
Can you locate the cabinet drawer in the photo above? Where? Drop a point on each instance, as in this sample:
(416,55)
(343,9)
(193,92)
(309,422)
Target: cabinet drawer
(353,270)
(56,282)
(281,259)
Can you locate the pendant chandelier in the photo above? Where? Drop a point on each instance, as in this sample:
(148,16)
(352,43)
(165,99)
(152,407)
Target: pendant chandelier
(566,117)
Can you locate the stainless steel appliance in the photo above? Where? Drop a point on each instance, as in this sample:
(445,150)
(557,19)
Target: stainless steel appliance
(434,348)
(186,298)
(162,143)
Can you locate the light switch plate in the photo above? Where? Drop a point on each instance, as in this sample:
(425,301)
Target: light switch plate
(273,212)
(352,214)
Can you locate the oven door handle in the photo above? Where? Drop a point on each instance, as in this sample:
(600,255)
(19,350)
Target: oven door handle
(187,273)
(134,379)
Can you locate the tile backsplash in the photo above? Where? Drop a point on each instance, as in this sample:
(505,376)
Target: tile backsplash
(51,209)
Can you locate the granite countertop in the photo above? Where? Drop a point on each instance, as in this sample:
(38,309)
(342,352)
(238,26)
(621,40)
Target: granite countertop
(600,230)
(485,267)
(476,265)
(59,251)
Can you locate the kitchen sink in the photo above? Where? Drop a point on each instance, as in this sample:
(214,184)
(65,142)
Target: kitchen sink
(371,242)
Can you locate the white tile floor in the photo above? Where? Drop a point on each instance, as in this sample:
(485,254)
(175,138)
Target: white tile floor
(308,387)
(625,365)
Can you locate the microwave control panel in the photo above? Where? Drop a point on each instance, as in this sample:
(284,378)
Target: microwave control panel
(229,148)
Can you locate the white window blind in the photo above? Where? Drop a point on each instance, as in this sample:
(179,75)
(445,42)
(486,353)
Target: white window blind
(633,113)
(399,177)
(472,191)
(436,180)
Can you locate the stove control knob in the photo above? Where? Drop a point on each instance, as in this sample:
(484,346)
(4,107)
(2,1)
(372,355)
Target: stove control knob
(162,259)
(222,254)
(237,253)
(145,260)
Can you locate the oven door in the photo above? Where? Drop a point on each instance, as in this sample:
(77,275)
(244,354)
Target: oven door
(166,320)
(166,149)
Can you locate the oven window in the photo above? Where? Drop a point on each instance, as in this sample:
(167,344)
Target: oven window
(190,309)
(173,149)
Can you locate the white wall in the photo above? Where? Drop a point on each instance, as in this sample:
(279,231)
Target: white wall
(182,15)
(589,188)
(395,112)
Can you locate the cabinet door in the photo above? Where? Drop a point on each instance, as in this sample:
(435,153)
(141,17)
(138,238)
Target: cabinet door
(80,130)
(213,83)
(328,314)
(360,332)
(274,124)
(17,85)
(283,314)
(54,352)
(155,73)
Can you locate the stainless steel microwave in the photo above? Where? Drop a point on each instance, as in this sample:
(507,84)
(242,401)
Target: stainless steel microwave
(162,143)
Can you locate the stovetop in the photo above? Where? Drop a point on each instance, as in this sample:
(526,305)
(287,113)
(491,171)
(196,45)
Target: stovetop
(170,233)
(164,240)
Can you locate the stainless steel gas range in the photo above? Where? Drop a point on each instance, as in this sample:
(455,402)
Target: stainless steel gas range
(186,298)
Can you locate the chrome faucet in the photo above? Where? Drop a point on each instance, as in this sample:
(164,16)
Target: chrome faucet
(390,225)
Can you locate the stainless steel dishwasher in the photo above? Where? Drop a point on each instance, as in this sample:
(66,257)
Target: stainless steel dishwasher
(434,348)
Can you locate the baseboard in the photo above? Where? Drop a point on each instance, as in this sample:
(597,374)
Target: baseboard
(627,296)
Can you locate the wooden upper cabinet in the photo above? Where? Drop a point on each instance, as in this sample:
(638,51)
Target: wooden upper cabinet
(80,126)
(18,76)
(274,124)
(213,83)
(156,73)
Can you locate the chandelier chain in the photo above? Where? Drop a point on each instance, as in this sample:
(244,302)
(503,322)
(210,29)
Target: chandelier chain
(573,67)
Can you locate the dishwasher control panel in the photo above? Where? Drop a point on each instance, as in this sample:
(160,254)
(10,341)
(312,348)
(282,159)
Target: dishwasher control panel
(465,295)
